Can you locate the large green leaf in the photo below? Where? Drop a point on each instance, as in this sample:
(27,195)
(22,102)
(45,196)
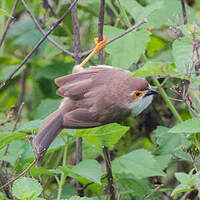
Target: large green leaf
(170,143)
(130,186)
(139,163)
(16,149)
(107,135)
(46,107)
(182,52)
(188,126)
(25,188)
(30,126)
(157,12)
(54,70)
(154,69)
(87,169)
(7,138)
(128,49)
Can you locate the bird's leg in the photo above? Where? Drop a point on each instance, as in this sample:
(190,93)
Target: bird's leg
(98,47)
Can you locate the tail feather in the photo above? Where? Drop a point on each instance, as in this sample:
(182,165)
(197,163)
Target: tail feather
(52,126)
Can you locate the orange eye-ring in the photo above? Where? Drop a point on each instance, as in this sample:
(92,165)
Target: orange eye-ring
(137,94)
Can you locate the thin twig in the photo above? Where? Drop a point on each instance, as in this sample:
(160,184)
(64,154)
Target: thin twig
(100,30)
(9,21)
(20,175)
(43,33)
(18,116)
(143,21)
(37,45)
(77,43)
(109,173)
(184,12)
(22,83)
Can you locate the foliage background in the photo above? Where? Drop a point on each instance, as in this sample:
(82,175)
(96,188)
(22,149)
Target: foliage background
(154,156)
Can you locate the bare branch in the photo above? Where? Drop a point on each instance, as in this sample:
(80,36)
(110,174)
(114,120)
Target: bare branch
(37,45)
(143,21)
(77,43)
(18,176)
(185,21)
(10,19)
(100,30)
(109,173)
(43,33)
(77,57)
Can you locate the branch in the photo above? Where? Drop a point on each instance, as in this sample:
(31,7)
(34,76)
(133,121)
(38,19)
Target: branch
(77,57)
(109,173)
(100,30)
(143,21)
(10,19)
(18,176)
(43,32)
(77,43)
(37,45)
(185,21)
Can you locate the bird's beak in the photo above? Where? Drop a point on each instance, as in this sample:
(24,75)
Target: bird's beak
(151,92)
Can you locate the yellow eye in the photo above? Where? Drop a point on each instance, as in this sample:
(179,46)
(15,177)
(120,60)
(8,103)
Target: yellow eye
(137,94)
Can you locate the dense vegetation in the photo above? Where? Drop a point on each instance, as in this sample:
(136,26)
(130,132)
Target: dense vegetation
(153,156)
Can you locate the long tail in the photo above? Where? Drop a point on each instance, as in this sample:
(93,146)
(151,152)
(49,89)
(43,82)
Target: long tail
(52,126)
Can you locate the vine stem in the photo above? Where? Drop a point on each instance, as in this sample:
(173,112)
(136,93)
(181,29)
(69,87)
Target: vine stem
(63,176)
(167,100)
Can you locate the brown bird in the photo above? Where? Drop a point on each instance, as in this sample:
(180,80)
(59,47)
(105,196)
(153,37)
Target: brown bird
(93,97)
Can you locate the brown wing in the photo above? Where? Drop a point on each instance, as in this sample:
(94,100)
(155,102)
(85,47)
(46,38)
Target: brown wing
(75,86)
(79,118)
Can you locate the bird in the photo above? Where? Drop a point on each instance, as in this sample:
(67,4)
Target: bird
(93,97)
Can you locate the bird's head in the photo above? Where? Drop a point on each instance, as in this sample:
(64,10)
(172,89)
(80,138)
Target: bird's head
(141,95)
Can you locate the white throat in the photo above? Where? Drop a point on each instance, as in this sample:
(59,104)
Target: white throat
(140,104)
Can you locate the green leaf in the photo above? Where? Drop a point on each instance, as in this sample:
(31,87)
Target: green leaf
(170,143)
(7,138)
(137,11)
(5,71)
(154,46)
(162,12)
(89,151)
(182,52)
(5,13)
(80,198)
(157,12)
(54,70)
(188,126)
(51,50)
(87,169)
(136,163)
(46,107)
(25,188)
(37,171)
(30,126)
(16,148)
(152,69)
(129,186)
(181,188)
(107,135)
(128,49)
(187,183)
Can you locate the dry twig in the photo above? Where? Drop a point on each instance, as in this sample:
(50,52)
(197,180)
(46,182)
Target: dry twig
(10,19)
